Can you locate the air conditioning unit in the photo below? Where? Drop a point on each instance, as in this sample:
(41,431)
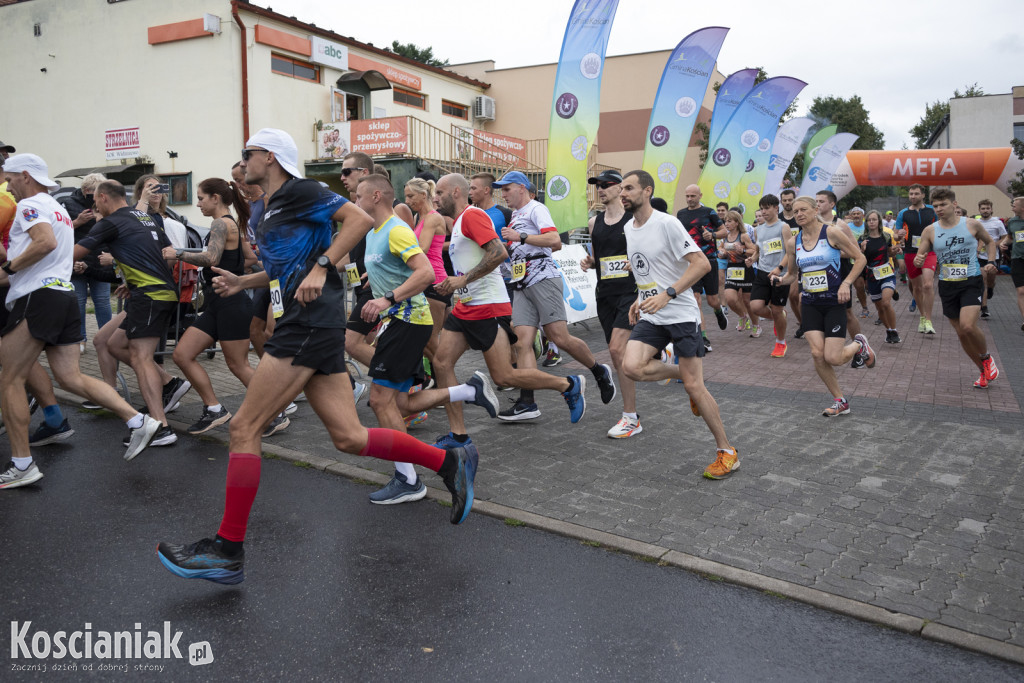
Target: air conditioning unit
(483,108)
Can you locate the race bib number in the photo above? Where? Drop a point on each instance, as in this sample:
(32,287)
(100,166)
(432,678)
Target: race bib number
(795,231)
(814,282)
(614,267)
(773,246)
(276,300)
(352,274)
(953,272)
(518,271)
(461,295)
(915,241)
(882,272)
(735,274)
(647,291)
(1018,236)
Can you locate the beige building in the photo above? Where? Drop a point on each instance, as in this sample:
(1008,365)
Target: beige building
(986,121)
(176,87)
(628,87)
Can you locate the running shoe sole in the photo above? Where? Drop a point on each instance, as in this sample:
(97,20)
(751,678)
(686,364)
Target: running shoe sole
(54,438)
(611,381)
(410,497)
(469,459)
(486,397)
(869,358)
(172,404)
(215,423)
(30,478)
(145,434)
(525,415)
(217,575)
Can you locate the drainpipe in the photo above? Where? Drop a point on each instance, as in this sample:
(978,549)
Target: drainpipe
(245,73)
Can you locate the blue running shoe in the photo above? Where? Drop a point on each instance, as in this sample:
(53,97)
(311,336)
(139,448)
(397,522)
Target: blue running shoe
(202,560)
(913,305)
(574,397)
(446,441)
(460,482)
(46,434)
(399,490)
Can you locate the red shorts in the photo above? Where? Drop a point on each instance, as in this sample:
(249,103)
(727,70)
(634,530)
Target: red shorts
(913,271)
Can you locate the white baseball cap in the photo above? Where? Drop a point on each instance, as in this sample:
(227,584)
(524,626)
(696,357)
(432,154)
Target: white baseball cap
(281,144)
(35,166)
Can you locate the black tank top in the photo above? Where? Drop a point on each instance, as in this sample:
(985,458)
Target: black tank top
(231,260)
(609,242)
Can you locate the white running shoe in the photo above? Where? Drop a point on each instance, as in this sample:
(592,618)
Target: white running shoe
(625,428)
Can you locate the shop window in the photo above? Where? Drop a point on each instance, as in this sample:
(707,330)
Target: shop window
(1018,131)
(181,187)
(459,111)
(296,68)
(410,98)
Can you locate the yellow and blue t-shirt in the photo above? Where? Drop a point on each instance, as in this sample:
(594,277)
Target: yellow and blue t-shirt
(388,250)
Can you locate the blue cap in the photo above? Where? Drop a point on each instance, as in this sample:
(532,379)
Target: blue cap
(512,177)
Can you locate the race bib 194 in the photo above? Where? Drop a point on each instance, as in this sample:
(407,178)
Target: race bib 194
(773,246)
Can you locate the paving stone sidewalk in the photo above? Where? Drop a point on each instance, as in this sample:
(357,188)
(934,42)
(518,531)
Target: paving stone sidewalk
(914,502)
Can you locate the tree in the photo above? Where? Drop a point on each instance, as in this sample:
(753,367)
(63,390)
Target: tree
(936,112)
(1015,186)
(420,54)
(704,129)
(851,117)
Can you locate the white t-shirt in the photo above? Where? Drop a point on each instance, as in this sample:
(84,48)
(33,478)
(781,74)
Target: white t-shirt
(657,253)
(532,219)
(176,233)
(995,229)
(54,269)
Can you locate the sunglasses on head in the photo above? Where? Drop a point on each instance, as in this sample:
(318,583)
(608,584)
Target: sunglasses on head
(246,153)
(605,186)
(346,172)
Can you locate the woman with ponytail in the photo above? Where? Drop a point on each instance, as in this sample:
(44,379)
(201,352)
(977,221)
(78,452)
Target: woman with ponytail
(225,319)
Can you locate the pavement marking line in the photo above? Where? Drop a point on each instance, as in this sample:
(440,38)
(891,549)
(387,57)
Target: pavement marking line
(811,596)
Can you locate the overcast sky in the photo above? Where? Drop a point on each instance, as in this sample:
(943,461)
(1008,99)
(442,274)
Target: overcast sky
(898,55)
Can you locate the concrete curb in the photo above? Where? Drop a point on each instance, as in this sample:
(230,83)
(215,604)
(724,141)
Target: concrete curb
(741,577)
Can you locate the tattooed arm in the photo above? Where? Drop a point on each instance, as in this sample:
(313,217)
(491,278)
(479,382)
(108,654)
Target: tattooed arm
(494,254)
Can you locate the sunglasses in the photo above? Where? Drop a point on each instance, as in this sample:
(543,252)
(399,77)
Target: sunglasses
(346,172)
(605,186)
(246,153)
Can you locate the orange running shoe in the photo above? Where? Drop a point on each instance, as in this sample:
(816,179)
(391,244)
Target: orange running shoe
(779,351)
(991,371)
(725,464)
(982,382)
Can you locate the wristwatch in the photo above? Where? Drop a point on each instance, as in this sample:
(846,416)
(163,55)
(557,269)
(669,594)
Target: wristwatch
(671,292)
(522,238)
(390,296)
(6,267)
(324,262)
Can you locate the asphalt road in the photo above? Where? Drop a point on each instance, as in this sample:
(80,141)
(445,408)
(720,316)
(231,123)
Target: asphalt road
(338,589)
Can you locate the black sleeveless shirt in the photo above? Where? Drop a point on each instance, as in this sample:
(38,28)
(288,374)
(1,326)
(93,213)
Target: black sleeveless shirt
(609,242)
(231,260)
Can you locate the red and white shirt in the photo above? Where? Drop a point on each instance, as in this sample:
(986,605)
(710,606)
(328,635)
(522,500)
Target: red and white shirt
(486,297)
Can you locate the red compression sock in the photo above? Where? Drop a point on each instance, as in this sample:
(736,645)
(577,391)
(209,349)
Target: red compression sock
(387,444)
(242,484)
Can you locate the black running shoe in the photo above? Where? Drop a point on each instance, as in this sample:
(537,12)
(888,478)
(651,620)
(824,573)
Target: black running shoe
(520,411)
(209,419)
(460,482)
(46,434)
(173,391)
(707,345)
(204,559)
(723,322)
(606,383)
(799,334)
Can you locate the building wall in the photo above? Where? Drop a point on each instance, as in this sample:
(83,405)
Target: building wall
(184,96)
(629,84)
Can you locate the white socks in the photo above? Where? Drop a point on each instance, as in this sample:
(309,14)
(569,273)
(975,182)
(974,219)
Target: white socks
(408,471)
(462,392)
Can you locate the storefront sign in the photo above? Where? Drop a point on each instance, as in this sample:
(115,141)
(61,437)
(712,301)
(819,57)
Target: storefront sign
(332,141)
(122,143)
(380,136)
(329,54)
(407,80)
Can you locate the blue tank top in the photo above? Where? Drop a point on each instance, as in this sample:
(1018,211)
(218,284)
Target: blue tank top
(955,252)
(820,275)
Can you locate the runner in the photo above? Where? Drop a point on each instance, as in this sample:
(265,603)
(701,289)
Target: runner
(856,225)
(704,227)
(398,272)
(431,233)
(955,241)
(538,302)
(666,264)
(44,317)
(996,230)
(305,351)
(739,277)
(910,224)
(773,255)
(879,249)
(722,209)
(225,319)
(616,288)
(1014,244)
(786,198)
(826,200)
(819,251)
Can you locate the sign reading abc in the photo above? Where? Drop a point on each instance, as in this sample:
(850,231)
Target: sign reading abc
(329,54)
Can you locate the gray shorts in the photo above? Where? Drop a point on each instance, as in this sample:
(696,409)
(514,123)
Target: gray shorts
(539,304)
